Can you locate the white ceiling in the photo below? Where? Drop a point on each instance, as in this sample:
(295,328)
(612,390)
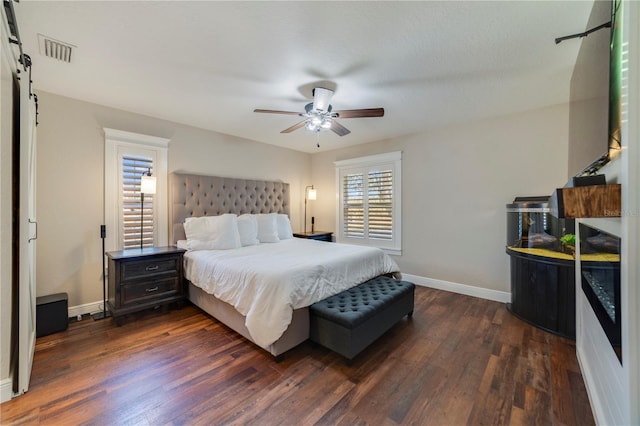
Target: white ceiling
(209,64)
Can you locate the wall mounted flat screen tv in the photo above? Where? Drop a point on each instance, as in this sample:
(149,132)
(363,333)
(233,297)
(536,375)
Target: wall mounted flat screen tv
(596,111)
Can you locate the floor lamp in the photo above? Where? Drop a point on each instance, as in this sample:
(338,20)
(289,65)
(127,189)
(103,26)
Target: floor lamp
(147,186)
(104,314)
(309,193)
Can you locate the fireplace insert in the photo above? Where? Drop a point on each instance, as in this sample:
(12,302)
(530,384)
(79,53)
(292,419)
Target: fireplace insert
(600,272)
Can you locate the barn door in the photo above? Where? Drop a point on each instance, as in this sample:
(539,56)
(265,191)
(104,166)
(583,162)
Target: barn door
(27,240)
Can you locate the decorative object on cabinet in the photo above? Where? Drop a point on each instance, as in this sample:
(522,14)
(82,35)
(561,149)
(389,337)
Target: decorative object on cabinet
(568,242)
(144,278)
(587,181)
(586,201)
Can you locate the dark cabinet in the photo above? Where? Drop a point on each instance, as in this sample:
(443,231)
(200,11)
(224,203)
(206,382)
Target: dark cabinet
(317,235)
(543,292)
(144,278)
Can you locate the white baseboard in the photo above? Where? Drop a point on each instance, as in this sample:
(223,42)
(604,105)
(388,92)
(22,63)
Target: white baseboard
(6,389)
(469,290)
(87,308)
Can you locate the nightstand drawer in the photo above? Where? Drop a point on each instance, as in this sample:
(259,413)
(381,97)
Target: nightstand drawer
(148,267)
(144,291)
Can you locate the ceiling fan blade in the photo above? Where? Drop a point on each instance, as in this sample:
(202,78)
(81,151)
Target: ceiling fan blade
(355,113)
(273,111)
(294,127)
(339,129)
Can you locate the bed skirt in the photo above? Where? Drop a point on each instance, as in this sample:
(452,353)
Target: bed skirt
(296,333)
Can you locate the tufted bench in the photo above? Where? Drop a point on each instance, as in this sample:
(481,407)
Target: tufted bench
(350,321)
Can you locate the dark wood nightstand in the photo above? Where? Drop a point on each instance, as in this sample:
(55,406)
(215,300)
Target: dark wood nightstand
(317,235)
(144,278)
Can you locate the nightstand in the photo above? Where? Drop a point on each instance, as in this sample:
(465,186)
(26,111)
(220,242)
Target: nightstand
(317,235)
(144,278)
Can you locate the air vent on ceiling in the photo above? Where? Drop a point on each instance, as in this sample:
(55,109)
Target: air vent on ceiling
(55,49)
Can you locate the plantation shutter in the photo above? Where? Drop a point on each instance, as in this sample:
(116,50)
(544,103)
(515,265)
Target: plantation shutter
(368,204)
(353,205)
(133,218)
(370,208)
(380,200)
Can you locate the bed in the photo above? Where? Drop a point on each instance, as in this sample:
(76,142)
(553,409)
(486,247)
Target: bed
(237,287)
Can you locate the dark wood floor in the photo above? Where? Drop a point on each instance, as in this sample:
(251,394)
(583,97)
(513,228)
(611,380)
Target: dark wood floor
(460,360)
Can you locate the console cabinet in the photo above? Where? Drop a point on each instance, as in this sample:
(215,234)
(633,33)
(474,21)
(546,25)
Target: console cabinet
(543,292)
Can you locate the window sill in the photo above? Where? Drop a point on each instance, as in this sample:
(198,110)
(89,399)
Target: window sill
(392,252)
(389,251)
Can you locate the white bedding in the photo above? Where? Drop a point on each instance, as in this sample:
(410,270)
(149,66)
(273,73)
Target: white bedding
(266,282)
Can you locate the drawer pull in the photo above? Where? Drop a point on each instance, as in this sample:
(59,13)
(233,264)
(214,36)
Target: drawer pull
(152,268)
(152,289)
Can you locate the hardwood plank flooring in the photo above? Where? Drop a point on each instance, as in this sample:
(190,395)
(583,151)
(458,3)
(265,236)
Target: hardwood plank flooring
(459,360)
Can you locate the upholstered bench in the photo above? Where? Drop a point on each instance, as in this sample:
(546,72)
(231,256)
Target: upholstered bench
(350,321)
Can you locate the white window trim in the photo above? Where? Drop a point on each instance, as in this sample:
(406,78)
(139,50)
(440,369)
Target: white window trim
(368,161)
(114,140)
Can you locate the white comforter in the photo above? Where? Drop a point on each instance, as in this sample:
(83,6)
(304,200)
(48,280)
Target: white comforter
(266,282)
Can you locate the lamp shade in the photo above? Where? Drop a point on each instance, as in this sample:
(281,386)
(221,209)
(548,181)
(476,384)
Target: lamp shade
(148,184)
(312,194)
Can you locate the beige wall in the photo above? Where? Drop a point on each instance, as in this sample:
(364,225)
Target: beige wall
(455,184)
(70,182)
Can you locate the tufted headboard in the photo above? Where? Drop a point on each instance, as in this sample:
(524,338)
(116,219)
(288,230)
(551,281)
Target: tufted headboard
(198,195)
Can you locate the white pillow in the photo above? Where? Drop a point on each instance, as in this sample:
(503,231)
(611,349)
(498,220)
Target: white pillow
(212,232)
(248,229)
(268,228)
(284,227)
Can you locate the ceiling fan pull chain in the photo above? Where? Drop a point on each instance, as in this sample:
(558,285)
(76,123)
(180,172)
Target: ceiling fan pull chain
(318,138)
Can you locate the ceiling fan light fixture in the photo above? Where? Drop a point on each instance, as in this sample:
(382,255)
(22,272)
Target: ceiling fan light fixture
(318,122)
(319,115)
(321,99)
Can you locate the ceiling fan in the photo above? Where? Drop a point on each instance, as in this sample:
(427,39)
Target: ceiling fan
(319,114)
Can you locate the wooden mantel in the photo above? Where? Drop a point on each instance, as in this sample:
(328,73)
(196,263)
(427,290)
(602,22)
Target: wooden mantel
(586,201)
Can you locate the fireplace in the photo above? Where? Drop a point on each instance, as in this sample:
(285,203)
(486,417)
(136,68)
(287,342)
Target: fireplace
(600,276)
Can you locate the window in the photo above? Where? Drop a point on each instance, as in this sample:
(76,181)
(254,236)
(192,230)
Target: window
(369,207)
(127,157)
(136,210)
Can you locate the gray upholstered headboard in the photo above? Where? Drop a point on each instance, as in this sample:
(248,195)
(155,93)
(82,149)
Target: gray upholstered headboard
(197,195)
